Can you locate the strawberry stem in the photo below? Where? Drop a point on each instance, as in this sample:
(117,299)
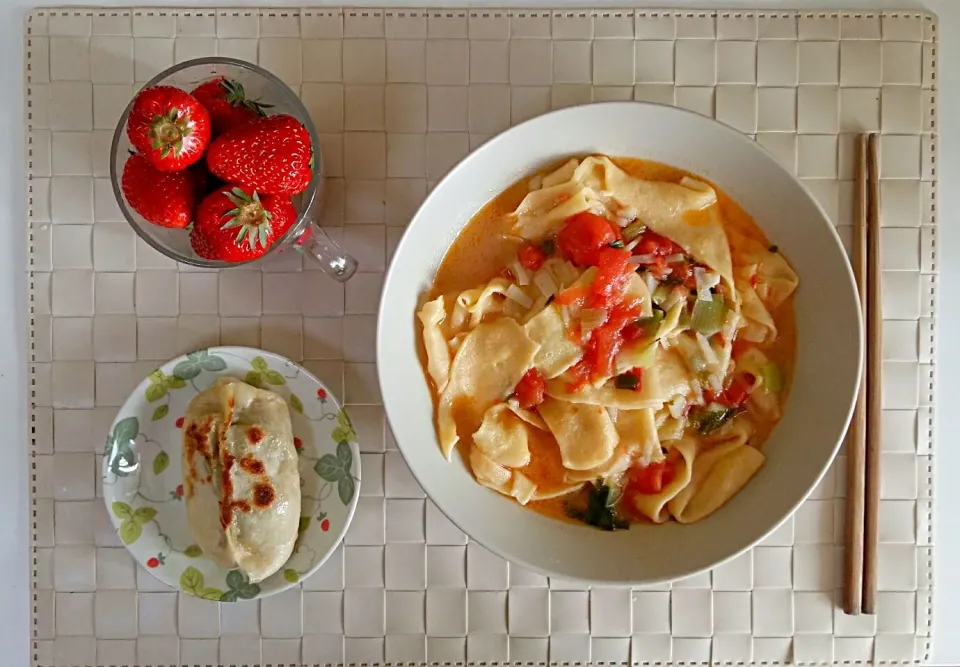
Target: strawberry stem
(249,216)
(168,132)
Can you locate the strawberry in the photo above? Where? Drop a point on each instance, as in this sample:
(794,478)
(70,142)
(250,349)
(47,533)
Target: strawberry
(236,224)
(165,198)
(271,155)
(169,127)
(226,101)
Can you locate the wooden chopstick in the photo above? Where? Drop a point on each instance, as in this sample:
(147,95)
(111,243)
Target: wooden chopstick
(874,328)
(856,442)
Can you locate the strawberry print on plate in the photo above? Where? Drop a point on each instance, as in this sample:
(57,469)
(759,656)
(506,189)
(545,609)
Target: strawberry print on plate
(143,488)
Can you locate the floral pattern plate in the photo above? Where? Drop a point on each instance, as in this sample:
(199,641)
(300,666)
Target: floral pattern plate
(143,487)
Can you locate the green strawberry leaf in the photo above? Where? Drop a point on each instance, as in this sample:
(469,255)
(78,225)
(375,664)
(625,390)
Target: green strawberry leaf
(304,524)
(192,551)
(236,579)
(345,489)
(156,376)
(129,531)
(160,412)
(191,580)
(174,382)
(254,378)
(213,363)
(229,596)
(187,369)
(126,430)
(155,392)
(249,591)
(344,455)
(338,435)
(274,377)
(122,510)
(291,575)
(296,403)
(210,594)
(329,468)
(260,364)
(160,463)
(120,457)
(144,514)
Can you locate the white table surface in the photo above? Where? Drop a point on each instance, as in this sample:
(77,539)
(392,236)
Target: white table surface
(14,497)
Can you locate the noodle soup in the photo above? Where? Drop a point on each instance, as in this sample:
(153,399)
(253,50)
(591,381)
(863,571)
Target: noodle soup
(610,341)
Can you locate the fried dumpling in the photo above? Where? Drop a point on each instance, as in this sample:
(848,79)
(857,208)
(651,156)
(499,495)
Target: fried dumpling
(241,483)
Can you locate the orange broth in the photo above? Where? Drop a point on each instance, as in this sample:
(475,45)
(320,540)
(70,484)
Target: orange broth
(484,248)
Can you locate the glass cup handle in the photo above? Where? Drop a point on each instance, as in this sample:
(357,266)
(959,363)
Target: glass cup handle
(318,246)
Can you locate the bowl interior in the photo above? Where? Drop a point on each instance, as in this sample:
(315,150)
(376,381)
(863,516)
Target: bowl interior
(258,85)
(828,331)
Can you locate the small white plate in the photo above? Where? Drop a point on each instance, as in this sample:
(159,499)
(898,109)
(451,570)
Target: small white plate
(143,485)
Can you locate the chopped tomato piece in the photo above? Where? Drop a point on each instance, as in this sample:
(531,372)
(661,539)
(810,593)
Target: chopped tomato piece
(681,272)
(740,346)
(530,389)
(754,280)
(531,257)
(652,243)
(612,277)
(632,332)
(650,480)
(571,296)
(736,394)
(582,235)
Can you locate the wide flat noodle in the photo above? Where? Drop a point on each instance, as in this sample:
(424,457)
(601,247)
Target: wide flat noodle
(638,432)
(718,474)
(542,212)
(650,394)
(480,301)
(584,433)
(503,437)
(529,416)
(653,506)
(675,378)
(488,365)
(557,352)
(664,208)
(501,479)
(776,280)
(562,174)
(760,327)
(438,352)
(488,473)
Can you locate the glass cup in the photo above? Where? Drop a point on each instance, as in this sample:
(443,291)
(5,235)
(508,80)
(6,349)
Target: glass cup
(305,234)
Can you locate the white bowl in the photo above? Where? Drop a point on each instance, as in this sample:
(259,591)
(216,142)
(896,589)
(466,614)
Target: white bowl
(829,333)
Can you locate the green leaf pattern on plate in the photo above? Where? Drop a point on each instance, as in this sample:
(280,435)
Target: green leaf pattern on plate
(131,521)
(160,412)
(118,451)
(262,375)
(193,551)
(336,467)
(198,361)
(295,403)
(191,581)
(239,587)
(160,462)
(344,431)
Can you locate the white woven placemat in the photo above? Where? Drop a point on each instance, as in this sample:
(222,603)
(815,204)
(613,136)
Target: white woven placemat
(399,95)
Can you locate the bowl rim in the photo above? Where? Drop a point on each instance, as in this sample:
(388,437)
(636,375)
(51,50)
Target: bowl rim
(508,135)
(311,193)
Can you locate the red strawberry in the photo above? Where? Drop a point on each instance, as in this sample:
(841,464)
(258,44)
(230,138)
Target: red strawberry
(236,225)
(165,198)
(226,101)
(270,155)
(169,127)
